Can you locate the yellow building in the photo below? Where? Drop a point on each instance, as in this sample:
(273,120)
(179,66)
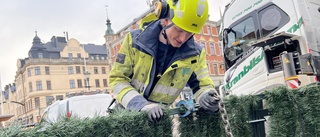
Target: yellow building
(54,71)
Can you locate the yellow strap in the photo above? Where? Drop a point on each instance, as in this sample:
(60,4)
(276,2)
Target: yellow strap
(291,78)
(149,18)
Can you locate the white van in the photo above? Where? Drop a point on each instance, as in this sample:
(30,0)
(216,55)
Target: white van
(78,106)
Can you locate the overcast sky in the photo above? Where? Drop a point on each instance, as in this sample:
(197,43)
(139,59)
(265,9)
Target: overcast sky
(84,20)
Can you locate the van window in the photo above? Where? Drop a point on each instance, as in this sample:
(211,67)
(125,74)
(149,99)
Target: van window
(53,112)
(44,116)
(63,108)
(89,106)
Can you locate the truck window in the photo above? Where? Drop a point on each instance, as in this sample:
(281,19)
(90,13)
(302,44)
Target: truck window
(271,19)
(240,34)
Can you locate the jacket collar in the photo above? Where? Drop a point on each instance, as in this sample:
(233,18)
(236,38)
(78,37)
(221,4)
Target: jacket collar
(150,36)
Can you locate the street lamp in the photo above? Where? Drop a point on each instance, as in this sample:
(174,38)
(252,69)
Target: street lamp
(87,75)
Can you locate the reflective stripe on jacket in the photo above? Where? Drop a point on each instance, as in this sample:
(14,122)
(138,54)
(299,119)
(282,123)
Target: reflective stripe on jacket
(134,70)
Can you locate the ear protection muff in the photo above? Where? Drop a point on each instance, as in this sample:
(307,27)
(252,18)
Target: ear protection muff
(161,9)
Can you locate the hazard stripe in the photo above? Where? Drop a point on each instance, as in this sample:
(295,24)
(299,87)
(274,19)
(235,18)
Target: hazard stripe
(293,84)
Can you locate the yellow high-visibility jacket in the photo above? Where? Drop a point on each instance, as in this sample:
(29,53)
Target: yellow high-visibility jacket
(134,70)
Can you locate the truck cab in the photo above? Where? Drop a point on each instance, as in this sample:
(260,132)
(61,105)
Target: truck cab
(269,43)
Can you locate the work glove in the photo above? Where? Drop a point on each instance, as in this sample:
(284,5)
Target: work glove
(154,111)
(209,102)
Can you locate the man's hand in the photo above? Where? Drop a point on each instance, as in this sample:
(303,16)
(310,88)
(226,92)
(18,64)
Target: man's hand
(209,101)
(154,111)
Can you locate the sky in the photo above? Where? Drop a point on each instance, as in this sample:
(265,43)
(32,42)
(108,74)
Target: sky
(84,20)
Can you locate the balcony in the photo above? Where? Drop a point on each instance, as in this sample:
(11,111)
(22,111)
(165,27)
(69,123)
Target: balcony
(39,61)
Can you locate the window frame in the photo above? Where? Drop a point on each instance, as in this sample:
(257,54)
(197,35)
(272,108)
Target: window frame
(283,19)
(72,84)
(212,48)
(47,70)
(96,70)
(37,70)
(49,100)
(105,82)
(70,56)
(97,82)
(215,68)
(70,70)
(37,102)
(49,85)
(40,55)
(59,97)
(39,85)
(29,72)
(79,83)
(103,70)
(78,70)
(30,87)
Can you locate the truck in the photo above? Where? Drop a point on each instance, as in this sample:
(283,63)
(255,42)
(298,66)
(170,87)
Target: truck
(266,44)
(269,43)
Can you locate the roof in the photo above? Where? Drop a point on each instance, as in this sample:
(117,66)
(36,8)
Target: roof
(95,49)
(57,44)
(54,46)
(37,44)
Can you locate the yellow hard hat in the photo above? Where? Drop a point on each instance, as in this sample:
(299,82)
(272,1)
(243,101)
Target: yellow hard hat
(189,15)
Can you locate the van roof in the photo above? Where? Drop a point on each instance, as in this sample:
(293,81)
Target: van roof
(89,96)
(73,94)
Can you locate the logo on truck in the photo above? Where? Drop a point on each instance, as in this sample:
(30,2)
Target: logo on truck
(247,9)
(295,27)
(246,69)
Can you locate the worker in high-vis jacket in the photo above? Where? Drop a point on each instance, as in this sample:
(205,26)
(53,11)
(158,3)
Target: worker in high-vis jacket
(155,63)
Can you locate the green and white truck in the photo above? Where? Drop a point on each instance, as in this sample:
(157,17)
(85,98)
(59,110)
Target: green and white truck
(269,43)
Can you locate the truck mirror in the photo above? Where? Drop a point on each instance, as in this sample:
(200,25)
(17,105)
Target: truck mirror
(225,36)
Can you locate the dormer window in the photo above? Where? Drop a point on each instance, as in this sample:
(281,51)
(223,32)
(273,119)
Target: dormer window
(40,55)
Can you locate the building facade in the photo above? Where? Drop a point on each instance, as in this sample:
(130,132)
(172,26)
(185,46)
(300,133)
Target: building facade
(54,71)
(208,39)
